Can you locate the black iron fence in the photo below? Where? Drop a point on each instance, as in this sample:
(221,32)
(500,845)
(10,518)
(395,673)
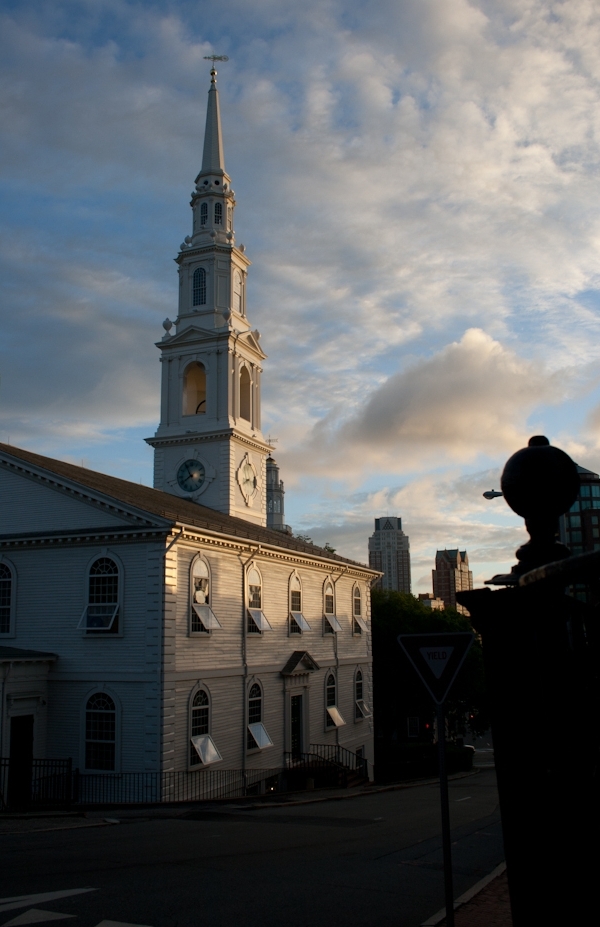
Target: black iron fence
(53,783)
(40,783)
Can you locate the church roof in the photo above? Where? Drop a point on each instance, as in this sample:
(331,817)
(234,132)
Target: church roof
(170,507)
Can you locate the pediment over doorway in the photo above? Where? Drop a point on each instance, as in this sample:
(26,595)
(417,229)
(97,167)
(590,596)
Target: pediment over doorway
(300,663)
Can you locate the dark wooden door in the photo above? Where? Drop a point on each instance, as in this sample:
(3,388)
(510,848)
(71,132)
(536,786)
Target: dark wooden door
(296,725)
(21,761)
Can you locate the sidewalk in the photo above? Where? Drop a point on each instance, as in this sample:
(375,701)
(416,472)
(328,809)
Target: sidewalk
(485,905)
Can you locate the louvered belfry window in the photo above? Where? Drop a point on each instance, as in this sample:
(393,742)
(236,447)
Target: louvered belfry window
(199,287)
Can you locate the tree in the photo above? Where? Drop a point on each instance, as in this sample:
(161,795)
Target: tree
(398,690)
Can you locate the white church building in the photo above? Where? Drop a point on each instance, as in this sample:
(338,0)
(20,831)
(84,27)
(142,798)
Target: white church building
(168,629)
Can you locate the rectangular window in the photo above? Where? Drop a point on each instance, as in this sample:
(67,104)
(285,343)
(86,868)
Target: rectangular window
(575,521)
(331,625)
(255,598)
(98,618)
(259,735)
(363,708)
(299,619)
(257,621)
(206,749)
(413,727)
(296,600)
(329,609)
(204,619)
(334,718)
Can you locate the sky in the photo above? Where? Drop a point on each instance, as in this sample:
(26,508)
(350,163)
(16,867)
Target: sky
(417,187)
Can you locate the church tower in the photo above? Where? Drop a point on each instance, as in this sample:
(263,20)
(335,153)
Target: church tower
(209,447)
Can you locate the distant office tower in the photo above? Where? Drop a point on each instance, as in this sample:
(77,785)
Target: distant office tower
(275,494)
(429,601)
(389,551)
(451,575)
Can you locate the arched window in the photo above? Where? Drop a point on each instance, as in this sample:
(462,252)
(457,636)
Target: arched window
(257,621)
(101,614)
(361,709)
(356,610)
(298,622)
(100,732)
(202,617)
(333,717)
(330,698)
(257,737)
(6,598)
(229,218)
(245,394)
(198,722)
(358,693)
(328,604)
(237,293)
(204,214)
(194,390)
(254,589)
(218,214)
(254,712)
(199,287)
(330,623)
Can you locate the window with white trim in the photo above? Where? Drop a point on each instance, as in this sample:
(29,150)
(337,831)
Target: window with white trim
(330,623)
(359,625)
(412,725)
(7,592)
(333,717)
(257,737)
(203,750)
(100,733)
(101,614)
(245,394)
(203,213)
(298,622)
(199,287)
(202,618)
(218,214)
(361,709)
(257,622)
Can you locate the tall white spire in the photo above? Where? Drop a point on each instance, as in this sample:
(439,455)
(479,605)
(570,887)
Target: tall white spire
(209,446)
(213,161)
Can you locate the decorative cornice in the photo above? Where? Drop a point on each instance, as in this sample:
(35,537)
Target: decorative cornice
(187,440)
(80,538)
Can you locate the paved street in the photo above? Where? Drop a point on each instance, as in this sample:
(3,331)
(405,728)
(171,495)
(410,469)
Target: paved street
(374,860)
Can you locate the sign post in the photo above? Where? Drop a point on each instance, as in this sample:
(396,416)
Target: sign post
(437,659)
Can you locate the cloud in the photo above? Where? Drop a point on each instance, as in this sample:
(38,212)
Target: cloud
(473,397)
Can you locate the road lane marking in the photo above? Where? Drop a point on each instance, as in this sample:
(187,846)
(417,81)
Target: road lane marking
(463,799)
(23,901)
(36,916)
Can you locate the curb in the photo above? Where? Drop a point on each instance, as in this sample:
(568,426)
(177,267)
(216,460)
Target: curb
(470,893)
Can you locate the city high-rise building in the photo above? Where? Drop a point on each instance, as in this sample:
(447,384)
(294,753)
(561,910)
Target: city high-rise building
(580,527)
(389,552)
(451,575)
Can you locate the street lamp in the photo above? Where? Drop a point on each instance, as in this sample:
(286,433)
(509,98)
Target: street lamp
(492,494)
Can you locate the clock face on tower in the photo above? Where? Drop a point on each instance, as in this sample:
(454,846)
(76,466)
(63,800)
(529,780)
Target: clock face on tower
(248,479)
(191,475)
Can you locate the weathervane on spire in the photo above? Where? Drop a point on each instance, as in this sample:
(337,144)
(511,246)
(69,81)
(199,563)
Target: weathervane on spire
(214,58)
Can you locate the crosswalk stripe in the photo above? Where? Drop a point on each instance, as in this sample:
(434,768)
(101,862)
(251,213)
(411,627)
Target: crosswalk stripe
(23,901)
(36,916)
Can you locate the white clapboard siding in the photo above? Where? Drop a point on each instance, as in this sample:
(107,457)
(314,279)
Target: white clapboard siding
(28,505)
(216,660)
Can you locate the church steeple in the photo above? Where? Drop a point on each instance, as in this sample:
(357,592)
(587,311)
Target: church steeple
(209,446)
(213,161)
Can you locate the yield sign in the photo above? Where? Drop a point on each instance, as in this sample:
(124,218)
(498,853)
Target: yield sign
(437,658)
